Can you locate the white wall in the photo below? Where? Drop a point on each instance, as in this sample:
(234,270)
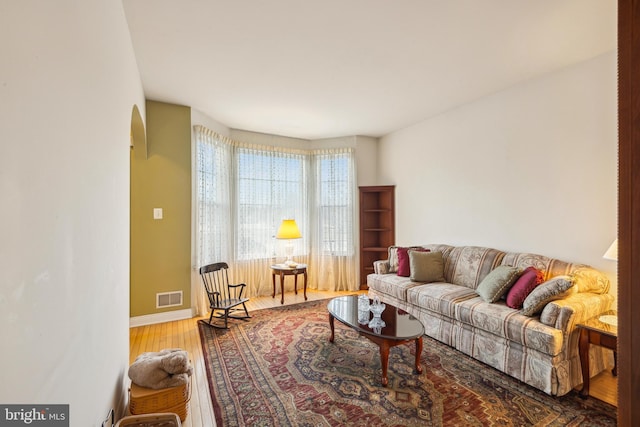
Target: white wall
(68,83)
(367,160)
(532,168)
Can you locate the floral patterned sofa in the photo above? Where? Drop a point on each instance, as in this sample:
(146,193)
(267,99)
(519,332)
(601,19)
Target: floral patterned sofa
(540,349)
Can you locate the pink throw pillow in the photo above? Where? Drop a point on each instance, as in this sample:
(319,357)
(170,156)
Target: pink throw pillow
(403,260)
(527,282)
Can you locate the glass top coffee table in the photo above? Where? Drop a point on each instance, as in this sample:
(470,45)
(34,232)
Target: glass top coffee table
(395,327)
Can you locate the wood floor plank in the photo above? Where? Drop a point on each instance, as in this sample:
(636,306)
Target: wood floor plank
(184,334)
(200,401)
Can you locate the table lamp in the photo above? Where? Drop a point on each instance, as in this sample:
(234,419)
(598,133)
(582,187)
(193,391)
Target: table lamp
(288,231)
(612,252)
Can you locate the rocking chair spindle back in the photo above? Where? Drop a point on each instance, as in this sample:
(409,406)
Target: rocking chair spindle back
(225,299)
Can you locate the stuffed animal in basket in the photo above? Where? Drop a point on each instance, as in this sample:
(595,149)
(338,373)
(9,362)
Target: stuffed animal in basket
(165,368)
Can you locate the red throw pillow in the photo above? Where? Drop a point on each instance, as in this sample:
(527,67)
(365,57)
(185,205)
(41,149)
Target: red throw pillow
(528,280)
(403,260)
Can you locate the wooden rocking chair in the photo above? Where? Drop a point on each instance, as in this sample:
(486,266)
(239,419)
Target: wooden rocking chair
(224,298)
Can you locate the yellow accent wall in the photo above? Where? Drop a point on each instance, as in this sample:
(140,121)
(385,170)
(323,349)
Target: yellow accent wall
(161,248)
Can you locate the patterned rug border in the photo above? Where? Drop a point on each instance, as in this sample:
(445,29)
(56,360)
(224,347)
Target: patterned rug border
(205,356)
(202,324)
(599,407)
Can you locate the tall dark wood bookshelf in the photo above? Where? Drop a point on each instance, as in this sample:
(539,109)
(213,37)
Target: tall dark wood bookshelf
(377,226)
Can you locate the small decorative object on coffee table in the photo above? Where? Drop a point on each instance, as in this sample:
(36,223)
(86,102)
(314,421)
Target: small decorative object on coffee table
(376,323)
(286,270)
(387,327)
(364,304)
(600,330)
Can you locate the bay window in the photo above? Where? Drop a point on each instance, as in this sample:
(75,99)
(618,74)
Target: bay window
(243,192)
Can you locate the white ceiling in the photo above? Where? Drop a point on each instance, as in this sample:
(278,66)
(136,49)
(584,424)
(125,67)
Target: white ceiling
(321,69)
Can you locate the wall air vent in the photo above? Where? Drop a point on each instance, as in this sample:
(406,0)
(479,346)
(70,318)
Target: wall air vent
(168,299)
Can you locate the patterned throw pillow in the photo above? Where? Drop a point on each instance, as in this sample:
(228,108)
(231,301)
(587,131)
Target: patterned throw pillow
(393,256)
(497,282)
(553,289)
(528,280)
(404,268)
(426,267)
(393,259)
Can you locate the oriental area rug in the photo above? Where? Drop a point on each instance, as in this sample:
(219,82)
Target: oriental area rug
(279,369)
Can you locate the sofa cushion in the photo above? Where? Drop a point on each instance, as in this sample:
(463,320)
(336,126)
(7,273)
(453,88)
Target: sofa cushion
(502,321)
(528,280)
(391,284)
(468,265)
(497,282)
(426,267)
(404,269)
(439,297)
(556,288)
(465,308)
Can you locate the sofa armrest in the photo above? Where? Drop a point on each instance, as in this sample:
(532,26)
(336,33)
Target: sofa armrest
(381,266)
(566,313)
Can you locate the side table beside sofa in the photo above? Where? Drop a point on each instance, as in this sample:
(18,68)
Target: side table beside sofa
(601,330)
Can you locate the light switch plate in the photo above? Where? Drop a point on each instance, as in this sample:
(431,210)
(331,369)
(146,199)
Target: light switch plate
(157,213)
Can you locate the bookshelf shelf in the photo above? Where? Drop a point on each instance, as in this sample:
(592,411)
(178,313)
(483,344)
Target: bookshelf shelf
(377,226)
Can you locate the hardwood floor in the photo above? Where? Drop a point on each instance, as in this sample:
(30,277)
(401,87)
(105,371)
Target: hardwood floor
(184,334)
(604,386)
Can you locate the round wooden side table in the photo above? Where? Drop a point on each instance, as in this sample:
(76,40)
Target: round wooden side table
(284,270)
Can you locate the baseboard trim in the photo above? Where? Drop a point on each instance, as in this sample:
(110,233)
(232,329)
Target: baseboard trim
(165,316)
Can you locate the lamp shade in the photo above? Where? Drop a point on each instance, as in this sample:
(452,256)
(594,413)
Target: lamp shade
(288,230)
(612,252)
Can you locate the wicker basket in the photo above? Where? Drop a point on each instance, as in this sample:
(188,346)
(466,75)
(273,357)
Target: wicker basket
(148,401)
(150,420)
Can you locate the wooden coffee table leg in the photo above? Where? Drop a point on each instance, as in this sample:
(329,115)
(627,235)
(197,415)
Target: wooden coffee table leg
(418,354)
(384,360)
(331,326)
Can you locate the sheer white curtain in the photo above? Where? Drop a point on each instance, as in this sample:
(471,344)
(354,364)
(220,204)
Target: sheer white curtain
(333,252)
(271,185)
(242,192)
(212,195)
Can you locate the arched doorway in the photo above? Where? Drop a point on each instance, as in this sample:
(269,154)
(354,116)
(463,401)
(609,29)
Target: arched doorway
(138,134)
